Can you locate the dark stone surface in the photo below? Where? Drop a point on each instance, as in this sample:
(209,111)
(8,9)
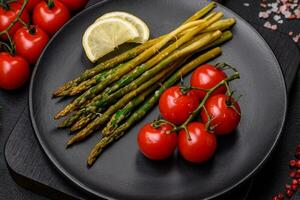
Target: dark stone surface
(274,174)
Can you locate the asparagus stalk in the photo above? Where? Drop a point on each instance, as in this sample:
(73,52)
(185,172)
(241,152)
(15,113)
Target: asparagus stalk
(123,113)
(109,64)
(81,115)
(99,120)
(146,107)
(92,92)
(142,68)
(220,25)
(205,40)
(83,121)
(201,12)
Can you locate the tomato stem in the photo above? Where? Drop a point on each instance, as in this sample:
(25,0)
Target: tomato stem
(32,30)
(11,46)
(196,112)
(23,23)
(158,123)
(186,89)
(7,46)
(51,4)
(4,5)
(15,20)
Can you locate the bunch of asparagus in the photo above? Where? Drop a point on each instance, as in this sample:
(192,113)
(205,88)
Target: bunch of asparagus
(115,94)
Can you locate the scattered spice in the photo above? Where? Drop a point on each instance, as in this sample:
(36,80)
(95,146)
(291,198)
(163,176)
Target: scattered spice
(291,189)
(276,12)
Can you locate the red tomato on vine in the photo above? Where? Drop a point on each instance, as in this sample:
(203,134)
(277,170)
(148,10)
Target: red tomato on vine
(198,145)
(50,16)
(8,13)
(14,71)
(206,77)
(225,114)
(30,42)
(175,106)
(156,143)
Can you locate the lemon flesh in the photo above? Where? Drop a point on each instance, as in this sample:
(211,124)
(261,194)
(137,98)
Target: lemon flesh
(105,35)
(139,24)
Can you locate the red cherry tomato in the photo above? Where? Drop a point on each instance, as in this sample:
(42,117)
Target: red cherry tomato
(14,71)
(201,146)
(49,18)
(175,106)
(30,42)
(74,4)
(8,15)
(206,77)
(155,143)
(30,4)
(224,112)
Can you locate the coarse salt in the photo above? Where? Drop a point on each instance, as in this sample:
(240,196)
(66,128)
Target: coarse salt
(296,38)
(263,15)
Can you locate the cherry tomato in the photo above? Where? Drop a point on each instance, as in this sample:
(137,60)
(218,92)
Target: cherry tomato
(30,42)
(225,113)
(8,15)
(206,77)
(74,4)
(175,106)
(200,147)
(30,4)
(14,71)
(155,143)
(50,17)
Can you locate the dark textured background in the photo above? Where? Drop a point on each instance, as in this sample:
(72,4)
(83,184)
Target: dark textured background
(267,181)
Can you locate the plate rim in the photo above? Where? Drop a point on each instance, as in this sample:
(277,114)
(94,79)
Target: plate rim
(77,183)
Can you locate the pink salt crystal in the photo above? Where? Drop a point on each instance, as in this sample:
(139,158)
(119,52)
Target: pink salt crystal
(274,27)
(267,24)
(277,17)
(291,33)
(263,15)
(280,21)
(296,38)
(263,5)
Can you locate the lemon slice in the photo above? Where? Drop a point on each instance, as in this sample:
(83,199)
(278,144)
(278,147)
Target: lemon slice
(137,22)
(105,35)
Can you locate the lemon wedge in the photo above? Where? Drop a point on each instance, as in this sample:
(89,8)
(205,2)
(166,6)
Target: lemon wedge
(105,35)
(139,24)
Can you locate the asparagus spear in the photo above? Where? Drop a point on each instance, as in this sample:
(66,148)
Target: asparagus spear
(83,121)
(201,12)
(142,68)
(103,66)
(221,25)
(150,73)
(123,113)
(99,120)
(145,108)
(81,115)
(92,92)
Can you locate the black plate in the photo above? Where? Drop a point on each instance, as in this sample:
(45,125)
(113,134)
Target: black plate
(122,172)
